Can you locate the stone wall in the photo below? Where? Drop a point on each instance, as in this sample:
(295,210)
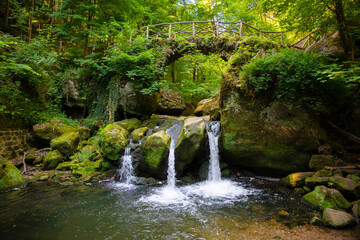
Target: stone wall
(13,143)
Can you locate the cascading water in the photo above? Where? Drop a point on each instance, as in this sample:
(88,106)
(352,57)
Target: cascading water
(173,132)
(213,130)
(127,171)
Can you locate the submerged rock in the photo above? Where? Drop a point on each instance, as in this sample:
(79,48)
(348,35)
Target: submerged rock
(112,141)
(66,144)
(190,142)
(323,197)
(337,219)
(170,103)
(51,160)
(318,162)
(295,179)
(10,176)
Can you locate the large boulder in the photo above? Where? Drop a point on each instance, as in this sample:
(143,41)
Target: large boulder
(52,129)
(295,179)
(66,144)
(347,186)
(129,124)
(190,144)
(356,208)
(270,139)
(138,134)
(323,197)
(312,182)
(133,103)
(170,103)
(318,162)
(337,219)
(10,176)
(51,160)
(155,150)
(112,141)
(209,106)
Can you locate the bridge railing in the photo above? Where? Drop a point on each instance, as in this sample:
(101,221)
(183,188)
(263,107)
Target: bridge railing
(194,29)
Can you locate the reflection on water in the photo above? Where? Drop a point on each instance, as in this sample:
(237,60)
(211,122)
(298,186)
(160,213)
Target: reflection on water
(123,211)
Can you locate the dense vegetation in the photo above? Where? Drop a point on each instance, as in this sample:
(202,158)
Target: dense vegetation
(44,44)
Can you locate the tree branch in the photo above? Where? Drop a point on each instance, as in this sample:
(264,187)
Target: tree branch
(328,6)
(345,133)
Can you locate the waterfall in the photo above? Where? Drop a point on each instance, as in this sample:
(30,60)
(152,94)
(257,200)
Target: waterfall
(127,171)
(173,132)
(213,131)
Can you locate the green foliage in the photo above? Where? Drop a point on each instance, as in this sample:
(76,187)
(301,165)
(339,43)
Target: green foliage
(295,76)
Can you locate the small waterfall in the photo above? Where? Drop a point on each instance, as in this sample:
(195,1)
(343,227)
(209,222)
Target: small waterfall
(127,171)
(173,132)
(213,131)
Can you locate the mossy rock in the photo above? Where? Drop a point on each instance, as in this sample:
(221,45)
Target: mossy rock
(10,176)
(51,129)
(66,144)
(272,140)
(295,179)
(347,186)
(87,152)
(323,197)
(312,182)
(190,142)
(209,106)
(155,149)
(84,133)
(41,177)
(129,124)
(318,162)
(51,160)
(64,166)
(170,103)
(112,141)
(85,171)
(356,208)
(139,133)
(337,219)
(323,173)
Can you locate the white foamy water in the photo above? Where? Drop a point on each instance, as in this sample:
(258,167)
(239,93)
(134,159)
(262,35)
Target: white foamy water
(127,171)
(213,131)
(166,196)
(173,132)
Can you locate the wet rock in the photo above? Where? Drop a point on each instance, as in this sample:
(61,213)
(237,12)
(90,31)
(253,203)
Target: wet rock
(356,208)
(299,191)
(273,140)
(347,186)
(112,141)
(337,219)
(283,213)
(323,173)
(10,176)
(66,144)
(155,149)
(323,197)
(146,181)
(295,179)
(307,189)
(41,177)
(171,103)
(325,149)
(190,142)
(312,182)
(209,106)
(316,221)
(139,133)
(87,152)
(51,160)
(64,166)
(129,124)
(318,162)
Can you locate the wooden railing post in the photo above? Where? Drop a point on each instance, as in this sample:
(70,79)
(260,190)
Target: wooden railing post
(147,32)
(193,29)
(169,31)
(241,26)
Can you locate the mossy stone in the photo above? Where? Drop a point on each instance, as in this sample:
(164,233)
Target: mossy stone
(129,124)
(295,179)
(155,149)
(347,186)
(10,176)
(323,197)
(139,133)
(64,166)
(51,129)
(318,162)
(51,160)
(66,144)
(112,141)
(356,208)
(312,182)
(337,219)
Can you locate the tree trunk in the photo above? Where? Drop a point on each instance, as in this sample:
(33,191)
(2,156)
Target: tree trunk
(344,32)
(6,17)
(30,19)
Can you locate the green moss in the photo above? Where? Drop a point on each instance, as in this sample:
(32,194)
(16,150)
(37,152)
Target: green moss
(66,144)
(323,197)
(295,179)
(139,133)
(51,129)
(10,176)
(129,124)
(64,166)
(51,160)
(155,148)
(112,140)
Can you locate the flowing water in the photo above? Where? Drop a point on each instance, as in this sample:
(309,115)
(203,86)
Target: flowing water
(44,211)
(127,171)
(173,132)
(213,131)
